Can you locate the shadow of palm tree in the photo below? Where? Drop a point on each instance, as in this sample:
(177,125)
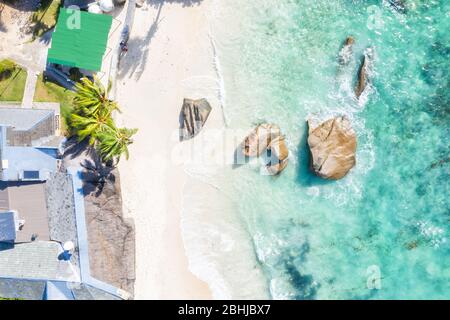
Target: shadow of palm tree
(22,5)
(2,25)
(185,3)
(75,149)
(96,176)
(140,48)
(46,37)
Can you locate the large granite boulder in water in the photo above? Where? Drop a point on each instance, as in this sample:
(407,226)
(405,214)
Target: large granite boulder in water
(333,147)
(259,139)
(279,154)
(194,114)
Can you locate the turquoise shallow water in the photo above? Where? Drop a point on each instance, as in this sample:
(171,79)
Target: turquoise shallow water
(389,219)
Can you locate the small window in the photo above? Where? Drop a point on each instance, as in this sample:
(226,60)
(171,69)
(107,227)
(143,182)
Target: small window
(31,175)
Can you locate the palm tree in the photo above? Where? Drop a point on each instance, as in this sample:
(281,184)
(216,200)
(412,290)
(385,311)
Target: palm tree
(114,143)
(92,125)
(92,97)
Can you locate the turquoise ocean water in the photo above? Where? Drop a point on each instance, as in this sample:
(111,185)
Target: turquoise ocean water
(382,231)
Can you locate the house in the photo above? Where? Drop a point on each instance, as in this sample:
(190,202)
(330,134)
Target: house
(29,143)
(43,235)
(80,39)
(44,243)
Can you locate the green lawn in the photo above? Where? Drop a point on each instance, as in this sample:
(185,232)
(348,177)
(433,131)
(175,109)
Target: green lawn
(44,18)
(51,92)
(12,87)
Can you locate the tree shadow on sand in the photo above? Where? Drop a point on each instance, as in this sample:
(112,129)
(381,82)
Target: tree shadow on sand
(184,3)
(135,61)
(22,5)
(2,24)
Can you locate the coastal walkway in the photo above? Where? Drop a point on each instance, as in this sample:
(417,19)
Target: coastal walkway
(30,88)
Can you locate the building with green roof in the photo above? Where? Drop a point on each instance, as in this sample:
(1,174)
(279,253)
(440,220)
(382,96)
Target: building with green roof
(80,39)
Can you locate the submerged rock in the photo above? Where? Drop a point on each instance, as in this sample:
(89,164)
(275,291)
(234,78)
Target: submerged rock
(259,139)
(333,147)
(363,73)
(279,155)
(398,5)
(345,54)
(194,114)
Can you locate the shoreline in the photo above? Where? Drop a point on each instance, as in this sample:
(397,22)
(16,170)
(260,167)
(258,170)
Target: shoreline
(165,63)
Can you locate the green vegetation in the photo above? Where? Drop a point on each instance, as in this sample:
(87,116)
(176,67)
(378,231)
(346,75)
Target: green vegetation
(44,18)
(92,119)
(12,81)
(92,125)
(47,91)
(7,68)
(115,143)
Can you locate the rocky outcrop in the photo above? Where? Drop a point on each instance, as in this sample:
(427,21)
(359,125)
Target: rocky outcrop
(279,156)
(363,73)
(259,139)
(333,147)
(194,114)
(267,138)
(346,52)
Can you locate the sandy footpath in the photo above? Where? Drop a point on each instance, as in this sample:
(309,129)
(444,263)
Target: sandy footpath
(170,57)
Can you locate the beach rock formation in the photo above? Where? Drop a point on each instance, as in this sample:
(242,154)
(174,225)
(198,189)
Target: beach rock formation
(194,114)
(363,73)
(333,147)
(267,138)
(279,155)
(346,52)
(259,139)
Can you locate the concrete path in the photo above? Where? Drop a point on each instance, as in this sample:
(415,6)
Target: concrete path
(30,88)
(33,57)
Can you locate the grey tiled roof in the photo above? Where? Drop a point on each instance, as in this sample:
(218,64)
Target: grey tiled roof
(8,226)
(23,119)
(50,290)
(22,289)
(61,210)
(87,292)
(39,260)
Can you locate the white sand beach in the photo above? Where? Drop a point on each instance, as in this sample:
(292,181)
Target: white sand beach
(170,57)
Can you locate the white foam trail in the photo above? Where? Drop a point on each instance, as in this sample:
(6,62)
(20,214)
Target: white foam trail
(220,78)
